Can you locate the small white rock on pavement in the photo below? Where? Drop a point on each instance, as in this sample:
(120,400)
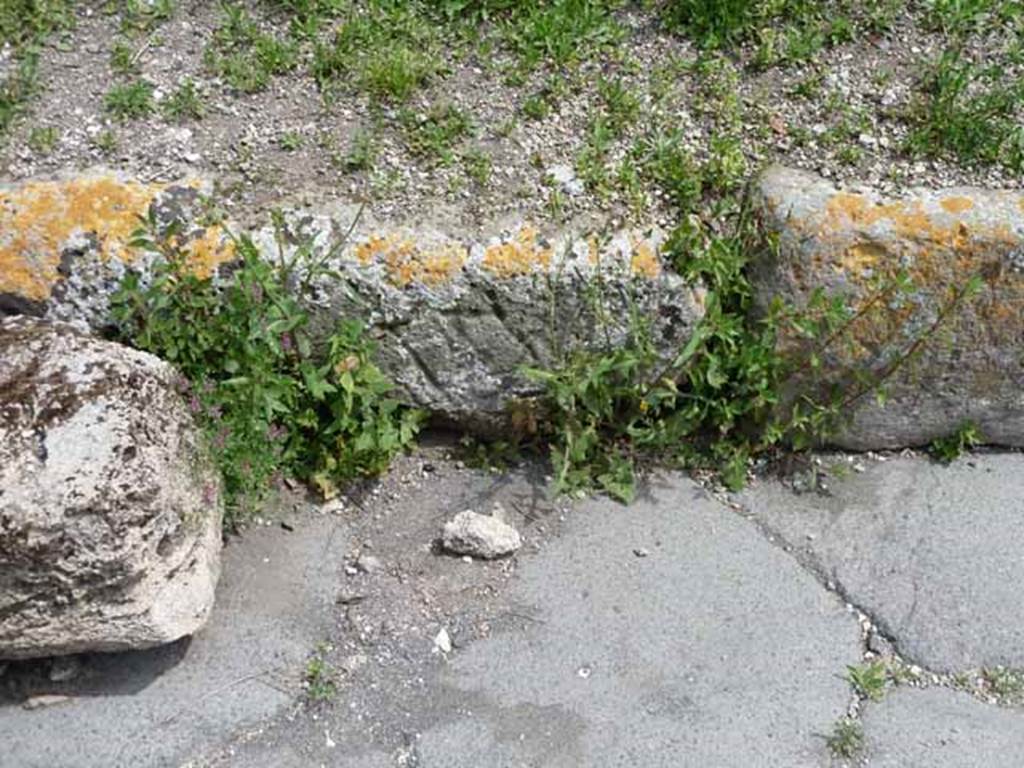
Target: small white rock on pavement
(486,536)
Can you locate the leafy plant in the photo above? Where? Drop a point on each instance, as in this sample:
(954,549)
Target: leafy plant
(434,134)
(846,739)
(868,679)
(245,56)
(950,448)
(273,398)
(130,101)
(17,88)
(969,111)
(320,680)
(185,103)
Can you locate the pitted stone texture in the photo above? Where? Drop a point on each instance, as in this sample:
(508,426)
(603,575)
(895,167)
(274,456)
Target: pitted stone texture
(972,369)
(457,322)
(65,245)
(932,553)
(939,728)
(470,533)
(109,516)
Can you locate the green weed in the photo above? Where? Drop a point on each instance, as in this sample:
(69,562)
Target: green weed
(16,89)
(969,112)
(130,101)
(43,140)
(846,739)
(1007,684)
(362,153)
(950,448)
(185,103)
(434,135)
(246,57)
(320,678)
(290,141)
(868,679)
(389,50)
(273,399)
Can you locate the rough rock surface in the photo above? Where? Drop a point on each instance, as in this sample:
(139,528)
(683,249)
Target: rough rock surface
(931,553)
(470,533)
(940,728)
(849,243)
(109,516)
(457,321)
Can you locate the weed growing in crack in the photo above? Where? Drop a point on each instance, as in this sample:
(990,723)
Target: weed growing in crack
(868,680)
(273,398)
(752,378)
(320,678)
(950,448)
(1004,683)
(846,739)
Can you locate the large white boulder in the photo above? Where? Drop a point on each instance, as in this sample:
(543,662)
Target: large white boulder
(110,513)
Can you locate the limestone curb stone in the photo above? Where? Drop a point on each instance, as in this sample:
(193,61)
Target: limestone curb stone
(845,241)
(110,516)
(456,321)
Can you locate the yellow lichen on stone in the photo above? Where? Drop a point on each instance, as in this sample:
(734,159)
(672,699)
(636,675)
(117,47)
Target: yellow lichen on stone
(38,219)
(432,267)
(644,262)
(407,263)
(209,250)
(519,256)
(956,205)
(859,258)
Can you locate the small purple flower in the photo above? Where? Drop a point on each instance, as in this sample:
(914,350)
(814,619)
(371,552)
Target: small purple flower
(275,432)
(208,386)
(182,384)
(215,413)
(194,405)
(286,342)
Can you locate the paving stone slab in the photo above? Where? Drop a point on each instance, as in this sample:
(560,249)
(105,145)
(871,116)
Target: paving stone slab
(713,648)
(934,553)
(941,728)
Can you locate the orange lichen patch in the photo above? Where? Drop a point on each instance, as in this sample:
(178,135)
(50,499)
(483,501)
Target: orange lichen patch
(37,219)
(405,262)
(861,257)
(432,267)
(519,256)
(644,262)
(209,250)
(956,205)
(909,219)
(367,251)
